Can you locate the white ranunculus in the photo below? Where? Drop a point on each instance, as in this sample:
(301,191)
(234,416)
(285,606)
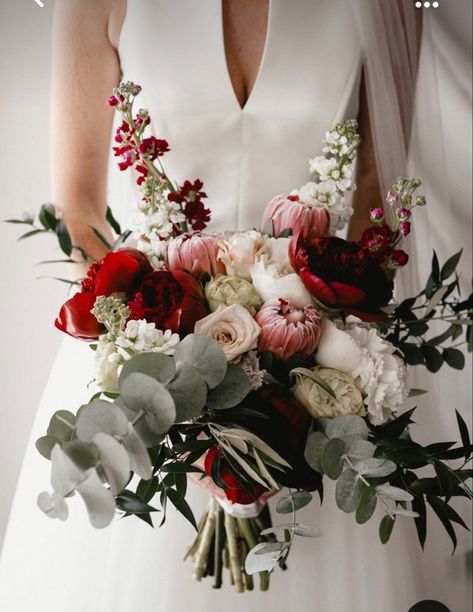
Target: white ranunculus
(239,251)
(336,349)
(270,284)
(319,403)
(232,327)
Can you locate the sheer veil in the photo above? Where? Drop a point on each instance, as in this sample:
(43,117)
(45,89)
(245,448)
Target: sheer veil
(390,35)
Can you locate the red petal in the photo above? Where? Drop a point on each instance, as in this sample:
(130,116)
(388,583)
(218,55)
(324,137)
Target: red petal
(119,272)
(347,294)
(318,287)
(76,319)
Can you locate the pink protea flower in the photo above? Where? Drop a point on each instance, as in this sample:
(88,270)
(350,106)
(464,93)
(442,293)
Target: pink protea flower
(289,212)
(288,331)
(195,253)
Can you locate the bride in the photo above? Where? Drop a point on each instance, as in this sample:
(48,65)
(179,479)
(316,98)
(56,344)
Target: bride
(244,92)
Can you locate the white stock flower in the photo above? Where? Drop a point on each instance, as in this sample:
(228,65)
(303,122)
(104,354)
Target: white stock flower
(369,360)
(232,327)
(137,337)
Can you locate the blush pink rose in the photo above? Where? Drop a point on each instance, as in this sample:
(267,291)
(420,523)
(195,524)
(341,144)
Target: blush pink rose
(195,253)
(287,331)
(289,212)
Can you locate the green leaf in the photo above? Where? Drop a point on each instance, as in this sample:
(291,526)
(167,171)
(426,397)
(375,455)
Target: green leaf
(130,502)
(101,237)
(375,468)
(357,450)
(84,454)
(386,528)
(45,445)
(332,458)
(433,357)
(112,221)
(189,392)
(31,233)
(412,353)
(100,416)
(205,355)
(348,428)
(464,434)
(454,358)
(47,217)
(263,558)
(435,300)
(61,426)
(418,505)
(180,504)
(348,491)
(435,268)
(445,514)
(180,467)
(450,265)
(293,502)
(147,489)
(394,493)
(160,367)
(447,479)
(314,447)
(142,393)
(367,505)
(64,238)
(231,390)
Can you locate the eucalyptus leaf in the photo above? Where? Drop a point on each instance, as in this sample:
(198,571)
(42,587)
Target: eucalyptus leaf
(84,454)
(348,491)
(45,445)
(256,563)
(314,448)
(375,468)
(64,238)
(114,460)
(394,493)
(160,367)
(385,528)
(65,475)
(149,438)
(206,355)
(54,505)
(299,529)
(357,450)
(189,392)
(293,502)
(231,390)
(347,427)
(366,506)
(407,513)
(98,500)
(141,392)
(100,417)
(61,425)
(332,458)
(139,458)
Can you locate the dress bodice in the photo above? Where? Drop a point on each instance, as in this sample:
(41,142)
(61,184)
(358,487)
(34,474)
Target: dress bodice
(308,78)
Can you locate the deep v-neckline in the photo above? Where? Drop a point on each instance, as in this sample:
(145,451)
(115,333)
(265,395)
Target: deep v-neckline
(261,67)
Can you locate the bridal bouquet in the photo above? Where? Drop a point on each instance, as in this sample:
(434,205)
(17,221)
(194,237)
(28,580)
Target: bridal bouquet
(254,361)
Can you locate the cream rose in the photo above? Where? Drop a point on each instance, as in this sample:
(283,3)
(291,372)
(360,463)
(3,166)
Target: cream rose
(239,251)
(319,403)
(232,327)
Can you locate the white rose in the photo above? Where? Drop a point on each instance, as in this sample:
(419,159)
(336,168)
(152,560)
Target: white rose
(239,251)
(337,349)
(232,327)
(319,403)
(269,283)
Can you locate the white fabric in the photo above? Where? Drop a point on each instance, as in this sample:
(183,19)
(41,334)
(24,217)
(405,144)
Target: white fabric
(309,77)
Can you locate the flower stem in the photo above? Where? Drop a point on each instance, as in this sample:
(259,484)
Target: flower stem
(219,548)
(205,542)
(235,564)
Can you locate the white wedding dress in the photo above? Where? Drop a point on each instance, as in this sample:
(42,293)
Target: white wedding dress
(309,78)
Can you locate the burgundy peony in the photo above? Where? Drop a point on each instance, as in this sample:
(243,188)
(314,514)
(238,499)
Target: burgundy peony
(118,272)
(195,253)
(235,492)
(341,274)
(170,299)
(288,212)
(287,331)
(285,431)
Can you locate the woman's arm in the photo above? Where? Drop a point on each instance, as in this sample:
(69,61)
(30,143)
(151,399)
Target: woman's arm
(85,69)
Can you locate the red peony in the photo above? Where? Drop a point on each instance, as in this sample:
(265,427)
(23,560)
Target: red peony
(235,491)
(170,299)
(342,274)
(118,272)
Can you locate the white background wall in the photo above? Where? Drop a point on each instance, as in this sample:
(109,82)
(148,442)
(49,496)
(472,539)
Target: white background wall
(28,306)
